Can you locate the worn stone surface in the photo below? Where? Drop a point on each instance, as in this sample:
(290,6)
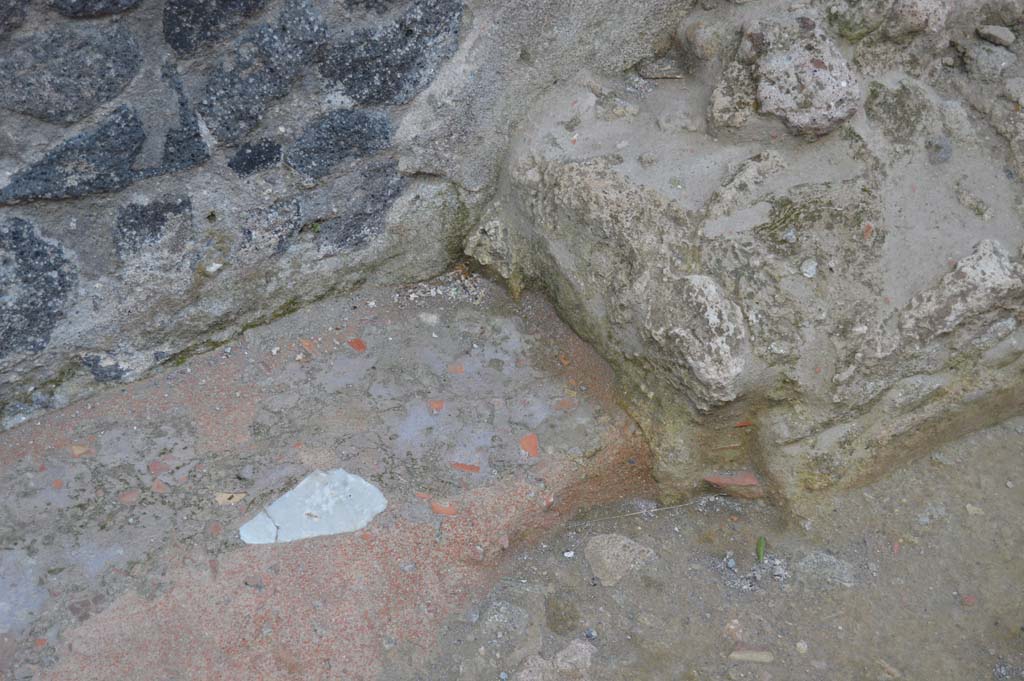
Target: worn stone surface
(142,224)
(612,556)
(338,136)
(811,322)
(261,67)
(158,476)
(12,15)
(62,75)
(800,251)
(801,75)
(997,35)
(92,8)
(389,64)
(987,62)
(571,663)
(99,160)
(37,281)
(253,157)
(190,25)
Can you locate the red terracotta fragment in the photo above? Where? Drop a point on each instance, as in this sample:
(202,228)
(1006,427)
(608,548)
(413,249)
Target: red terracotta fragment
(442,509)
(530,444)
(742,484)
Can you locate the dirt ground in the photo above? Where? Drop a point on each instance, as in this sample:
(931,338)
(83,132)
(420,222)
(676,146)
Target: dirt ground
(493,432)
(916,577)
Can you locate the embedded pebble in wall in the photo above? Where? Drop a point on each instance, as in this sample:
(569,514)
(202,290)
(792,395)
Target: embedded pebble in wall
(997,35)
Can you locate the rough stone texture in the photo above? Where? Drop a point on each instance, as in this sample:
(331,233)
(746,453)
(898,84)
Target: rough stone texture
(801,75)
(985,284)
(338,136)
(255,156)
(190,25)
(361,219)
(909,17)
(142,224)
(826,344)
(62,75)
(96,161)
(92,8)
(263,64)
(703,333)
(391,63)
(734,98)
(184,145)
(612,556)
(37,282)
(12,15)
(569,664)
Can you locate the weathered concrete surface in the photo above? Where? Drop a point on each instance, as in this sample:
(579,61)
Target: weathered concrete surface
(817,312)
(483,422)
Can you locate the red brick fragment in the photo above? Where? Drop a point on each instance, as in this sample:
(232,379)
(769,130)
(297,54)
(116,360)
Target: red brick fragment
(742,484)
(157,467)
(436,406)
(443,509)
(129,497)
(160,487)
(456,368)
(466,467)
(530,444)
(78,451)
(57,484)
(566,404)
(357,344)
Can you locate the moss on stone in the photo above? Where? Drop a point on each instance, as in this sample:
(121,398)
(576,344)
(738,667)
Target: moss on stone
(898,111)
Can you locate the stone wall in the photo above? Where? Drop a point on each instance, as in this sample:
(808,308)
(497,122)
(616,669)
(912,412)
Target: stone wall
(173,171)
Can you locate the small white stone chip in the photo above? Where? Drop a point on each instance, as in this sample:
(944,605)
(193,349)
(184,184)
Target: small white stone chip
(331,502)
(751,655)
